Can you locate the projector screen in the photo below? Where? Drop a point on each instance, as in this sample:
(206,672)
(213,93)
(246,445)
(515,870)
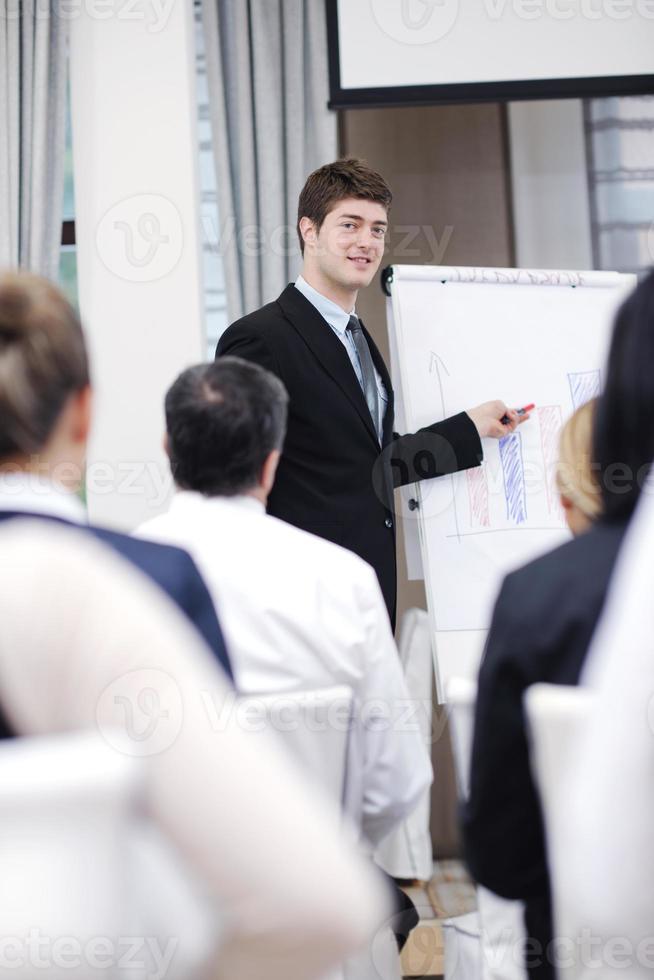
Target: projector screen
(393,52)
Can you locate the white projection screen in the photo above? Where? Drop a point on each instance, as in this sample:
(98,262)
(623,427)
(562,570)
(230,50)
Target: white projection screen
(394,52)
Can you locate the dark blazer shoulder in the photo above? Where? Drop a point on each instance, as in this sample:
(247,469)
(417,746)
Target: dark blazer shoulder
(259,321)
(565,570)
(259,337)
(267,320)
(139,548)
(175,572)
(549,598)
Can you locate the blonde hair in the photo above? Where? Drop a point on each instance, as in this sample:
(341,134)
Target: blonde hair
(574,475)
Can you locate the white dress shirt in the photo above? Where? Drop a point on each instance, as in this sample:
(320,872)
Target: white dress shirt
(83,638)
(299,612)
(31,493)
(338,320)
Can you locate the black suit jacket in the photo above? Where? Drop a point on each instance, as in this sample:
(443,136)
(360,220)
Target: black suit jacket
(172,569)
(541,630)
(334,479)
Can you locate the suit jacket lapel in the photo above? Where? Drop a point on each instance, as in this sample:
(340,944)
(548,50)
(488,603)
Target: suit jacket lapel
(320,338)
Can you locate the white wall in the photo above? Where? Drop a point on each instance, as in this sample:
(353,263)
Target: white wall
(138,243)
(551,208)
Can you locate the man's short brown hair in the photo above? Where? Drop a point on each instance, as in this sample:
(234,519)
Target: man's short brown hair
(336,181)
(43,361)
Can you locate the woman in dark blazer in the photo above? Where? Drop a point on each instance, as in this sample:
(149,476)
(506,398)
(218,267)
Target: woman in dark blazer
(543,623)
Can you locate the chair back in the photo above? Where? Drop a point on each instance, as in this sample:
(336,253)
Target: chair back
(66,803)
(556,716)
(82,872)
(461,696)
(320,730)
(407,852)
(500,925)
(316,728)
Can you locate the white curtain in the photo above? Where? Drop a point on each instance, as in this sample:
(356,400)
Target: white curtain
(268,88)
(620,140)
(32,133)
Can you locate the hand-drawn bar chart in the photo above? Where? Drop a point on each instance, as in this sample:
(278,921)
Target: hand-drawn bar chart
(584,385)
(478,525)
(478,497)
(514,478)
(550,421)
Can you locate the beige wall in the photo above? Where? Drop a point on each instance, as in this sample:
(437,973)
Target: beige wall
(447,166)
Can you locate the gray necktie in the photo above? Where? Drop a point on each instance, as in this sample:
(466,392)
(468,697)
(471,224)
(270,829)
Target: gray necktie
(369,384)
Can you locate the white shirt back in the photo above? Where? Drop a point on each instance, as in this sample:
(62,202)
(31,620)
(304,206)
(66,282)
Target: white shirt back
(299,612)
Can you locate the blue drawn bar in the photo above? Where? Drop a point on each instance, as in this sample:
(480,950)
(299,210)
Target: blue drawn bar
(583,386)
(514,478)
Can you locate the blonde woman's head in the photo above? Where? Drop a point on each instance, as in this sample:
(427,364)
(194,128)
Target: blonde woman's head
(576,481)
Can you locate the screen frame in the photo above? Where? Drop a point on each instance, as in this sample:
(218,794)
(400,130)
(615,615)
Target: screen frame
(470,92)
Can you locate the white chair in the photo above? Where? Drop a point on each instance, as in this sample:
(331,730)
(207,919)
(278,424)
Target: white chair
(407,851)
(315,727)
(556,715)
(320,729)
(487,943)
(80,873)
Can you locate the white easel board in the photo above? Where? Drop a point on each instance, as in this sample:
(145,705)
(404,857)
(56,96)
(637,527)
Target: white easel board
(463,336)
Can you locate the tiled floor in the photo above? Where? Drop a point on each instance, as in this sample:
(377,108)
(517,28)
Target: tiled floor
(449,893)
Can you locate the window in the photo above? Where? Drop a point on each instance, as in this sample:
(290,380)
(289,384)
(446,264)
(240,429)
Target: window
(215,300)
(620,139)
(215,304)
(68,254)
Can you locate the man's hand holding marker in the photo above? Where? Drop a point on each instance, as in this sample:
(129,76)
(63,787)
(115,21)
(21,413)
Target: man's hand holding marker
(495,420)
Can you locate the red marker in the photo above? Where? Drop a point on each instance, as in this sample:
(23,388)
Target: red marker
(505,420)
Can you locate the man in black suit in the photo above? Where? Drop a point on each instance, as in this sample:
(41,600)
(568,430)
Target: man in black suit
(341,458)
(45,414)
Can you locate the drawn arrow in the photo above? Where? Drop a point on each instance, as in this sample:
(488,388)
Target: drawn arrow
(438,365)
